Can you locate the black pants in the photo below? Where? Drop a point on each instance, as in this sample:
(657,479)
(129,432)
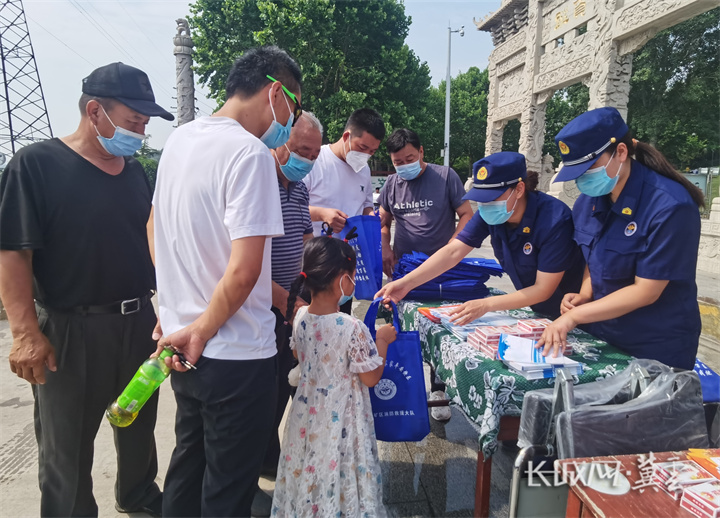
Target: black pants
(435,384)
(285,362)
(96,355)
(225,412)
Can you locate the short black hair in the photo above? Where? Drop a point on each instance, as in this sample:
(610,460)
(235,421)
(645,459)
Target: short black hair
(400,138)
(105,102)
(249,72)
(366,119)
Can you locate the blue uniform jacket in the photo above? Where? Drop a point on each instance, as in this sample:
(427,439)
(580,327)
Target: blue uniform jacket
(542,241)
(652,231)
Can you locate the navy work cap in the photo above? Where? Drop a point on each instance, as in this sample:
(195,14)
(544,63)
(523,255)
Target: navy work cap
(585,138)
(493,175)
(126,84)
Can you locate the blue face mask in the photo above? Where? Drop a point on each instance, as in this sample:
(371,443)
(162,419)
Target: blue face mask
(277,134)
(596,182)
(409,171)
(345,298)
(297,167)
(123,142)
(495,212)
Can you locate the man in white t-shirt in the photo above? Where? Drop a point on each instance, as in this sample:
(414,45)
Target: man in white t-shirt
(215,207)
(339,184)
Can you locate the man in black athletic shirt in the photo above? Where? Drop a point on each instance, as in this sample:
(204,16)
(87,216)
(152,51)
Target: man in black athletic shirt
(72,236)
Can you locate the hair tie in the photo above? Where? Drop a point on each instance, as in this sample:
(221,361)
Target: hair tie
(635,142)
(303,274)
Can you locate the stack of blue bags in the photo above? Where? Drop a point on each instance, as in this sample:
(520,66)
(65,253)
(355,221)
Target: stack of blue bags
(466,281)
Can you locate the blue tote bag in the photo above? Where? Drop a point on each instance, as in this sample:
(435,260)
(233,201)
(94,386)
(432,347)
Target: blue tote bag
(364,237)
(399,402)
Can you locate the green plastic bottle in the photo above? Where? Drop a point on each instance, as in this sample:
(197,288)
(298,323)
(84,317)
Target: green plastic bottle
(123,411)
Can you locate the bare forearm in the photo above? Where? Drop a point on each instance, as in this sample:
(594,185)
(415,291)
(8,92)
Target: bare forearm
(617,304)
(279,297)
(372,377)
(465,214)
(151,234)
(526,297)
(316,213)
(16,291)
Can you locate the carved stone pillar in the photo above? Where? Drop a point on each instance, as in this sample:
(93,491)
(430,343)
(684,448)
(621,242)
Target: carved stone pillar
(494,132)
(493,141)
(183,73)
(532,119)
(532,134)
(610,80)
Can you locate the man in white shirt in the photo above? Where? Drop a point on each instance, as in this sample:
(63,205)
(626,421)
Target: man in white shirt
(215,207)
(339,184)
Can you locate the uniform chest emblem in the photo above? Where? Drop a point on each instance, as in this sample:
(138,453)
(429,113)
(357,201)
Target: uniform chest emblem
(631,228)
(527,248)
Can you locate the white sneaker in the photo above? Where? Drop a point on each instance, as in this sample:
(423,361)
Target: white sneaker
(439,413)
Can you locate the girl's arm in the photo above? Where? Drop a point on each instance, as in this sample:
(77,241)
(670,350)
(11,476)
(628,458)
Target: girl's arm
(385,336)
(545,285)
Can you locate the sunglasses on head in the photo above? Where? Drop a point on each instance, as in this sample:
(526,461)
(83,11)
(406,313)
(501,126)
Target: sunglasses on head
(298,107)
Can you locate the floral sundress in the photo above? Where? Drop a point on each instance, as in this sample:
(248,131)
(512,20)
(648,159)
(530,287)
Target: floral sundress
(329,463)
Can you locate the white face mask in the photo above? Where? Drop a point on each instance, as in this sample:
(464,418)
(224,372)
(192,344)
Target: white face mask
(355,159)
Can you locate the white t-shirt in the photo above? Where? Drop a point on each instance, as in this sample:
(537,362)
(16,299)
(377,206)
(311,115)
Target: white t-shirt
(216,182)
(334,185)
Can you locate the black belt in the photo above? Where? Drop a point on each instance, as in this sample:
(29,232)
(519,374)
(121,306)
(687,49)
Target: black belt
(123,307)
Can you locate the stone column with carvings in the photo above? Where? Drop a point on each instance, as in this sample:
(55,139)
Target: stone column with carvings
(532,120)
(494,132)
(610,80)
(183,73)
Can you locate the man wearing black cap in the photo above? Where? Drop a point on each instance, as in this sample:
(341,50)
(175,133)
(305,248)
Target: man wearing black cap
(72,236)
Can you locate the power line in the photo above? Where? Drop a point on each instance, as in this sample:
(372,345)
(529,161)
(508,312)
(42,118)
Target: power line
(61,41)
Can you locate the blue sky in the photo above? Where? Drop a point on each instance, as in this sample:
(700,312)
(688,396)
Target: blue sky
(72,37)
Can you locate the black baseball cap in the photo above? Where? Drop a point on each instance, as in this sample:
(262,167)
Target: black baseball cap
(127,84)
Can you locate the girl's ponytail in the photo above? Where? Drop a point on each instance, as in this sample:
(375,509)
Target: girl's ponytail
(295,289)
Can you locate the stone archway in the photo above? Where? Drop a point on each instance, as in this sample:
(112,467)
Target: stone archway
(544,45)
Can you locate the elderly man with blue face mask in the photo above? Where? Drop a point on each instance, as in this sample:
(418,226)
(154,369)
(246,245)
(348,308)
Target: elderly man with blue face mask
(72,237)
(293,161)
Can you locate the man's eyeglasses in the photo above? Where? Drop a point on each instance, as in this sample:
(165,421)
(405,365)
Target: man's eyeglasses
(298,107)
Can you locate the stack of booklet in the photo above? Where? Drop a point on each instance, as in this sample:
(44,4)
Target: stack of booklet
(521,357)
(488,319)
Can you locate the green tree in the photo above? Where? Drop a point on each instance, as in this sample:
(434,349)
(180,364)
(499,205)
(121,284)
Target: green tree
(352,54)
(675,92)
(562,107)
(149,158)
(468,120)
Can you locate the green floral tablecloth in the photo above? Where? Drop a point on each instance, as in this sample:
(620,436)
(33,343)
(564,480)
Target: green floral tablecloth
(485,389)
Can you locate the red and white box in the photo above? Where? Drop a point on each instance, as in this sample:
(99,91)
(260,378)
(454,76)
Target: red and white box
(703,499)
(675,476)
(533,326)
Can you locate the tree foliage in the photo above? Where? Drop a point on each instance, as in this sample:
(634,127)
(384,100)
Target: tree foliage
(675,91)
(352,54)
(149,158)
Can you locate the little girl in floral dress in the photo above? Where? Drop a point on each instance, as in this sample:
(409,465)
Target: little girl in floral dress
(329,462)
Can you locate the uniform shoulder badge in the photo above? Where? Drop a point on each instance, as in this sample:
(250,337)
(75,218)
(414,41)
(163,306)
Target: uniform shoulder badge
(627,211)
(526,230)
